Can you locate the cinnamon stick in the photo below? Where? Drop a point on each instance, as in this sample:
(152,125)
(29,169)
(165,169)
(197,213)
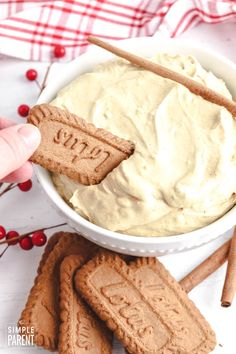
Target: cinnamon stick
(193,86)
(206,268)
(229,288)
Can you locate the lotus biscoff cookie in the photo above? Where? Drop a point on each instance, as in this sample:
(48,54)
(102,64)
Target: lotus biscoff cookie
(144,306)
(42,307)
(71,146)
(81,331)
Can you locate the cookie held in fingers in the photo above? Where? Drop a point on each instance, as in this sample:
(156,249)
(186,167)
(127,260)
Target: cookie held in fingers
(42,308)
(80,329)
(148,311)
(73,147)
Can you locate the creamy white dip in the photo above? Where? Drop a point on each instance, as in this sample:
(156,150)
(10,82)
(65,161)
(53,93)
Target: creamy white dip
(182,175)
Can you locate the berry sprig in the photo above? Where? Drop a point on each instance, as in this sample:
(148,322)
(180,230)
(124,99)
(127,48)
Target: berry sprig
(26,241)
(2,232)
(23,186)
(31,75)
(23,110)
(59,51)
(38,237)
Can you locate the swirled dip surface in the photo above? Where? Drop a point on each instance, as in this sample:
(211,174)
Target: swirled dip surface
(182,175)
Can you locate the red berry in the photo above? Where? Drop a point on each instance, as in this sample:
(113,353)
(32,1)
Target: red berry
(25,186)
(2,232)
(26,243)
(23,110)
(59,51)
(10,235)
(31,74)
(39,238)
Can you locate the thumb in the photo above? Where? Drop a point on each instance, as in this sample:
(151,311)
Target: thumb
(17,144)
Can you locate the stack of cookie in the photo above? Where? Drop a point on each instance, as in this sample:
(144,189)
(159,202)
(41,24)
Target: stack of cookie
(83,293)
(61,320)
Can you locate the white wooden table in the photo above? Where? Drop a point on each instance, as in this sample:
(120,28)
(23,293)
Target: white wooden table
(27,211)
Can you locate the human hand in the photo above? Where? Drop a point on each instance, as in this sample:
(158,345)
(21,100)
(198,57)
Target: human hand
(17,144)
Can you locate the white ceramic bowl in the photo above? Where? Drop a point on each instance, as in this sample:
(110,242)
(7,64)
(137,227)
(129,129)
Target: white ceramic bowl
(135,245)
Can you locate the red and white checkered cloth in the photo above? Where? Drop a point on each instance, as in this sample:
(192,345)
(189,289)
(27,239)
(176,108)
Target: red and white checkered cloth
(30,29)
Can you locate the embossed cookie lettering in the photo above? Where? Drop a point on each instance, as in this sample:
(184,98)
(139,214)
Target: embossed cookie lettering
(80,330)
(73,147)
(85,327)
(144,306)
(105,285)
(132,313)
(83,149)
(172,304)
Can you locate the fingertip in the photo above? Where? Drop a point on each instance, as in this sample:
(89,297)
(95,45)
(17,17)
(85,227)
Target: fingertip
(31,135)
(17,145)
(22,174)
